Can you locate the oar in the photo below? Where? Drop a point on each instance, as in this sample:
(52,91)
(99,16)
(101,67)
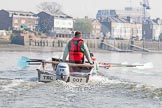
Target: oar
(102,63)
(25,61)
(108,65)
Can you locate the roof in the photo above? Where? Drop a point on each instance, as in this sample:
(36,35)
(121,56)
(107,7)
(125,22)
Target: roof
(154,21)
(62,15)
(59,15)
(120,19)
(25,13)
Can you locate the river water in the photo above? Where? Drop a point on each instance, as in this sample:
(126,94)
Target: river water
(117,87)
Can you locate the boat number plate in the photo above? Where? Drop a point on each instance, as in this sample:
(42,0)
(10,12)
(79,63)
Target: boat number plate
(77,79)
(44,77)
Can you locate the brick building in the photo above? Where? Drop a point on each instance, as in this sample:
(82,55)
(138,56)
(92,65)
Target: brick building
(17,20)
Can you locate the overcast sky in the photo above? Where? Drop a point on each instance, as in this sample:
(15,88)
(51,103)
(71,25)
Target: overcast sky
(81,8)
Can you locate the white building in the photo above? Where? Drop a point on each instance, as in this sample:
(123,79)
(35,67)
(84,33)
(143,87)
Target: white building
(121,28)
(58,25)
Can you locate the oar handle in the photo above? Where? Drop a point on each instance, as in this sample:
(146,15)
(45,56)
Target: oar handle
(103,66)
(34,61)
(71,64)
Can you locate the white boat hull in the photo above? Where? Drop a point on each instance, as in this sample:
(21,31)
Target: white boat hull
(48,77)
(81,76)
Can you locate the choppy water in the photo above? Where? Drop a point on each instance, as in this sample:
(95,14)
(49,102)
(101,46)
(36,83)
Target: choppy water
(117,87)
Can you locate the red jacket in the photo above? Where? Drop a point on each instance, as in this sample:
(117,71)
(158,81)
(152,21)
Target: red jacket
(75,54)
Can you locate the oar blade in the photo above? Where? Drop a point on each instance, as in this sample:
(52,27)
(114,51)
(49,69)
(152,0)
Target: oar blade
(22,62)
(25,61)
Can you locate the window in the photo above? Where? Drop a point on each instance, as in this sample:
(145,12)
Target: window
(36,22)
(69,23)
(22,21)
(15,21)
(63,23)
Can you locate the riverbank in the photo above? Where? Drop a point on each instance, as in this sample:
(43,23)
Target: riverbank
(14,47)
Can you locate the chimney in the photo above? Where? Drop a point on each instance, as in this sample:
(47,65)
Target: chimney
(86,17)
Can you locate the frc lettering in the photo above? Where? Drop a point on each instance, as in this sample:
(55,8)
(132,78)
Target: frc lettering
(48,77)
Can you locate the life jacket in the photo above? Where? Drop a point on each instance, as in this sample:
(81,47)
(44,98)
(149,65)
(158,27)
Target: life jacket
(75,54)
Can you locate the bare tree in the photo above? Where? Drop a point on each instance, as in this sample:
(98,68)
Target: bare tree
(50,7)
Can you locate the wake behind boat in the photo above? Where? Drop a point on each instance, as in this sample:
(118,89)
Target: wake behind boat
(68,72)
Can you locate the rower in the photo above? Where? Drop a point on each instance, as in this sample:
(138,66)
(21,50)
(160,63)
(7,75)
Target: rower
(76,48)
(96,66)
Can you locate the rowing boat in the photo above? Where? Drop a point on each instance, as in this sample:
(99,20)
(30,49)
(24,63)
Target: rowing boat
(54,69)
